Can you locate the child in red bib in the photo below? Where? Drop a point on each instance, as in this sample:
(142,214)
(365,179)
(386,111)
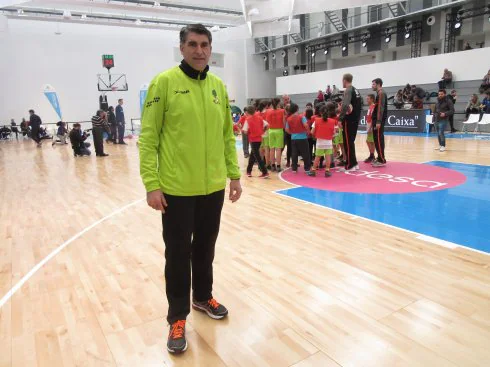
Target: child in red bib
(254,127)
(324,130)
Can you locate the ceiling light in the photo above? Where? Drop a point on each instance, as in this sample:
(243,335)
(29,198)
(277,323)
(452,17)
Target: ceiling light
(313,54)
(66,14)
(20,13)
(364,43)
(285,72)
(273,56)
(344,47)
(83,17)
(156,4)
(325,52)
(457,24)
(264,57)
(215,28)
(283,53)
(388,38)
(407,34)
(137,22)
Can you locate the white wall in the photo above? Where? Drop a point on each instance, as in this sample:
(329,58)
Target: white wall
(465,65)
(260,83)
(32,55)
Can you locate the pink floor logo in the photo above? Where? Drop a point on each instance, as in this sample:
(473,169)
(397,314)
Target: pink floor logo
(395,178)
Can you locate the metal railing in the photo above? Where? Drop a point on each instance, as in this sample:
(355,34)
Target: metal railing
(352,22)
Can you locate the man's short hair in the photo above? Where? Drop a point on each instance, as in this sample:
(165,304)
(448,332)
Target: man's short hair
(194,28)
(348,78)
(378,81)
(119,100)
(31,111)
(76,125)
(442,90)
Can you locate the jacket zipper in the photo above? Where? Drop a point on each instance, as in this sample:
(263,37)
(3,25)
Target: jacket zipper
(205,136)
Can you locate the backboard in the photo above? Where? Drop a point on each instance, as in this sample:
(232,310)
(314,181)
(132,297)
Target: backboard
(112,82)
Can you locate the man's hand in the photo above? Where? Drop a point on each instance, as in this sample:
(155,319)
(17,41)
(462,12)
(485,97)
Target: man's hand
(156,200)
(235,190)
(443,115)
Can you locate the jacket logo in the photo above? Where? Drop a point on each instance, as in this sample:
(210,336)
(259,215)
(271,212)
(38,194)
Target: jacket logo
(187,91)
(150,103)
(215,95)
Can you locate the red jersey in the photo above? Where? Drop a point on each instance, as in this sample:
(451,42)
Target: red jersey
(295,123)
(255,128)
(242,120)
(275,118)
(325,129)
(369,116)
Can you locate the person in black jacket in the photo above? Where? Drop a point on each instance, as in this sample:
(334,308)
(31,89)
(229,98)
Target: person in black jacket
(99,124)
(444,110)
(350,115)
(77,139)
(35,124)
(111,118)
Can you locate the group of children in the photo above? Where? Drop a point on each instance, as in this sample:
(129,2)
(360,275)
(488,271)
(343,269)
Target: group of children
(316,136)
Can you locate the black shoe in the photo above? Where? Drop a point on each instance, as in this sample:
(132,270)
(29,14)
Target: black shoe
(123,143)
(341,164)
(278,169)
(176,342)
(273,169)
(212,308)
(369,159)
(102,155)
(246,155)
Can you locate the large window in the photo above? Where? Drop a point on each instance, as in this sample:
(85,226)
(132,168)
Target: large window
(375,13)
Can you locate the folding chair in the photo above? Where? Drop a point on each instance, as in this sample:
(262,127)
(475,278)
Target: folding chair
(485,120)
(429,120)
(472,119)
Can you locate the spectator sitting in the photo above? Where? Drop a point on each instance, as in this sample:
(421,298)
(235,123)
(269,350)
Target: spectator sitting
(60,133)
(398,100)
(406,92)
(447,78)
(485,83)
(320,97)
(473,105)
(14,129)
(335,90)
(77,139)
(467,46)
(328,93)
(485,104)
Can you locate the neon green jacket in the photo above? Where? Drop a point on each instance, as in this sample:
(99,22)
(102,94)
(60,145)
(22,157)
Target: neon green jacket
(187,145)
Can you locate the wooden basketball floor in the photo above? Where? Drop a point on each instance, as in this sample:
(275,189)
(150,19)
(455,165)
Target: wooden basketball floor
(305,286)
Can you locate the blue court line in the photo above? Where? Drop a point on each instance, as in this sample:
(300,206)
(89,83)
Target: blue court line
(458,215)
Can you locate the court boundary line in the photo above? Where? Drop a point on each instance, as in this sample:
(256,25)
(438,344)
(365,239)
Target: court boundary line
(419,236)
(56,251)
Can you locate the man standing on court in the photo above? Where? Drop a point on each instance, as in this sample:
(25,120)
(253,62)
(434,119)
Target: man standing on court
(121,123)
(35,124)
(187,152)
(349,117)
(380,114)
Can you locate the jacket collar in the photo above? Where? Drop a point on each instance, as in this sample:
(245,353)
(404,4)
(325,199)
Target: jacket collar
(192,73)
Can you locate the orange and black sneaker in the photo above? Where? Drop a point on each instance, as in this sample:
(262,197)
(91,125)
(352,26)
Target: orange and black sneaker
(176,342)
(212,308)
